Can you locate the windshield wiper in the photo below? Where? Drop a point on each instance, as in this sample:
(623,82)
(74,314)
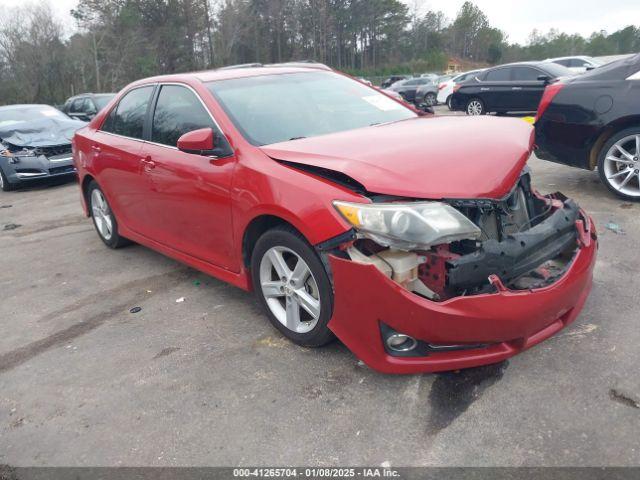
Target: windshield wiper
(296,138)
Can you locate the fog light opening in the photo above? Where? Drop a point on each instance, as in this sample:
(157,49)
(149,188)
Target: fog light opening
(399,342)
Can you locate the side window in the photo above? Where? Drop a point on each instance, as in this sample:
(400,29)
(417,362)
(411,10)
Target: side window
(178,111)
(526,74)
(564,62)
(76,106)
(499,75)
(577,62)
(127,118)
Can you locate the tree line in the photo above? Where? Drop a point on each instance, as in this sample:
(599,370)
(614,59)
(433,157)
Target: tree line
(117,41)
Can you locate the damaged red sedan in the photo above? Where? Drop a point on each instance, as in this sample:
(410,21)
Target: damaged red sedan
(417,240)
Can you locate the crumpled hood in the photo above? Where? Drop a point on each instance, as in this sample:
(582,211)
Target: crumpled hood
(46,132)
(426,157)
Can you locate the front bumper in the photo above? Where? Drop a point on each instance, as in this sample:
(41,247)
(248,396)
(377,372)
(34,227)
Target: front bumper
(507,321)
(25,169)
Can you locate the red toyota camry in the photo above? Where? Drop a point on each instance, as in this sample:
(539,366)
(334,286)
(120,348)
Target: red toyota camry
(418,241)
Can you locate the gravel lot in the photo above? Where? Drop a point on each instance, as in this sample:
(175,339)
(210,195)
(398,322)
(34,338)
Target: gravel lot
(208,381)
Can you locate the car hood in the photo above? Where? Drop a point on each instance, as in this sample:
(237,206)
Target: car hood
(46,132)
(426,157)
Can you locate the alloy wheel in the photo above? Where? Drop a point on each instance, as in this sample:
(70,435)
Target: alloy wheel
(622,166)
(430,99)
(101,214)
(290,289)
(474,107)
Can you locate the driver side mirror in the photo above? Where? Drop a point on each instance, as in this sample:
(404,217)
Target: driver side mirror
(197,142)
(544,78)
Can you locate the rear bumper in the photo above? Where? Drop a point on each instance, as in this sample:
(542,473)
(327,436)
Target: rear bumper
(508,321)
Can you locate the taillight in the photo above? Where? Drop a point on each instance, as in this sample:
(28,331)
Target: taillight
(549,92)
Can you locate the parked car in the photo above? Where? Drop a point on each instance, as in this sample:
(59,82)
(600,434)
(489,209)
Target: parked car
(87,105)
(428,94)
(365,81)
(393,79)
(515,87)
(431,76)
(35,144)
(593,121)
(332,202)
(578,64)
(408,88)
(445,87)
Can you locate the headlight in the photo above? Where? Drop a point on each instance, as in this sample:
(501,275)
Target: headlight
(408,226)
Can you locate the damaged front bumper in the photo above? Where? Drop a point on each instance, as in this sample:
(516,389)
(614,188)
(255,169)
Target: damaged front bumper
(469,330)
(25,168)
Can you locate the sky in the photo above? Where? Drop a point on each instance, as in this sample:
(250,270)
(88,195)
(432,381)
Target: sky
(517,18)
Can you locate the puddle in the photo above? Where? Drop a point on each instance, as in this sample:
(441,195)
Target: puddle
(452,393)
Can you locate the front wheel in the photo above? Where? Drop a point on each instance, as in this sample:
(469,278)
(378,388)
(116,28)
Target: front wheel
(475,107)
(5,186)
(619,164)
(292,284)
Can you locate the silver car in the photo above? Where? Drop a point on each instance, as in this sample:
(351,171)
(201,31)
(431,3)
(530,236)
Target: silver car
(35,144)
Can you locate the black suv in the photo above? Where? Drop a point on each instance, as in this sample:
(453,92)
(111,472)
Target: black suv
(515,87)
(85,106)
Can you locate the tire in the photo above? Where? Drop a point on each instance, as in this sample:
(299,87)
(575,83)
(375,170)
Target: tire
(449,105)
(280,298)
(102,216)
(430,99)
(5,186)
(621,177)
(475,106)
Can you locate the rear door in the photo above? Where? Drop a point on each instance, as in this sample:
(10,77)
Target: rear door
(527,89)
(188,201)
(116,149)
(496,89)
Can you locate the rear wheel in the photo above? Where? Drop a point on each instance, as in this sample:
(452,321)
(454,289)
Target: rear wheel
(292,284)
(103,218)
(475,106)
(619,164)
(449,104)
(430,99)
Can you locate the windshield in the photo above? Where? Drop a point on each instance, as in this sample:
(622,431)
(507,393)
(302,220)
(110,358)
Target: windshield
(102,100)
(274,108)
(30,113)
(557,70)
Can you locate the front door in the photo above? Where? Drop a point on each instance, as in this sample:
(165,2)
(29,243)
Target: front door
(188,204)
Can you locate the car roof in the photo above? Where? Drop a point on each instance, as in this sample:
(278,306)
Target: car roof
(241,71)
(518,64)
(24,105)
(581,57)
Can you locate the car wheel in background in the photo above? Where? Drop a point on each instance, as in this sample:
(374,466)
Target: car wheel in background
(449,103)
(5,186)
(475,107)
(103,218)
(430,99)
(619,164)
(292,284)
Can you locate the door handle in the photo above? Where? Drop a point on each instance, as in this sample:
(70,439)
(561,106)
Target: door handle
(516,88)
(484,89)
(95,148)
(147,163)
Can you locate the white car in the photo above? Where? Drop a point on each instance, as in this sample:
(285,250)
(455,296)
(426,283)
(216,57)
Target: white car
(577,64)
(445,89)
